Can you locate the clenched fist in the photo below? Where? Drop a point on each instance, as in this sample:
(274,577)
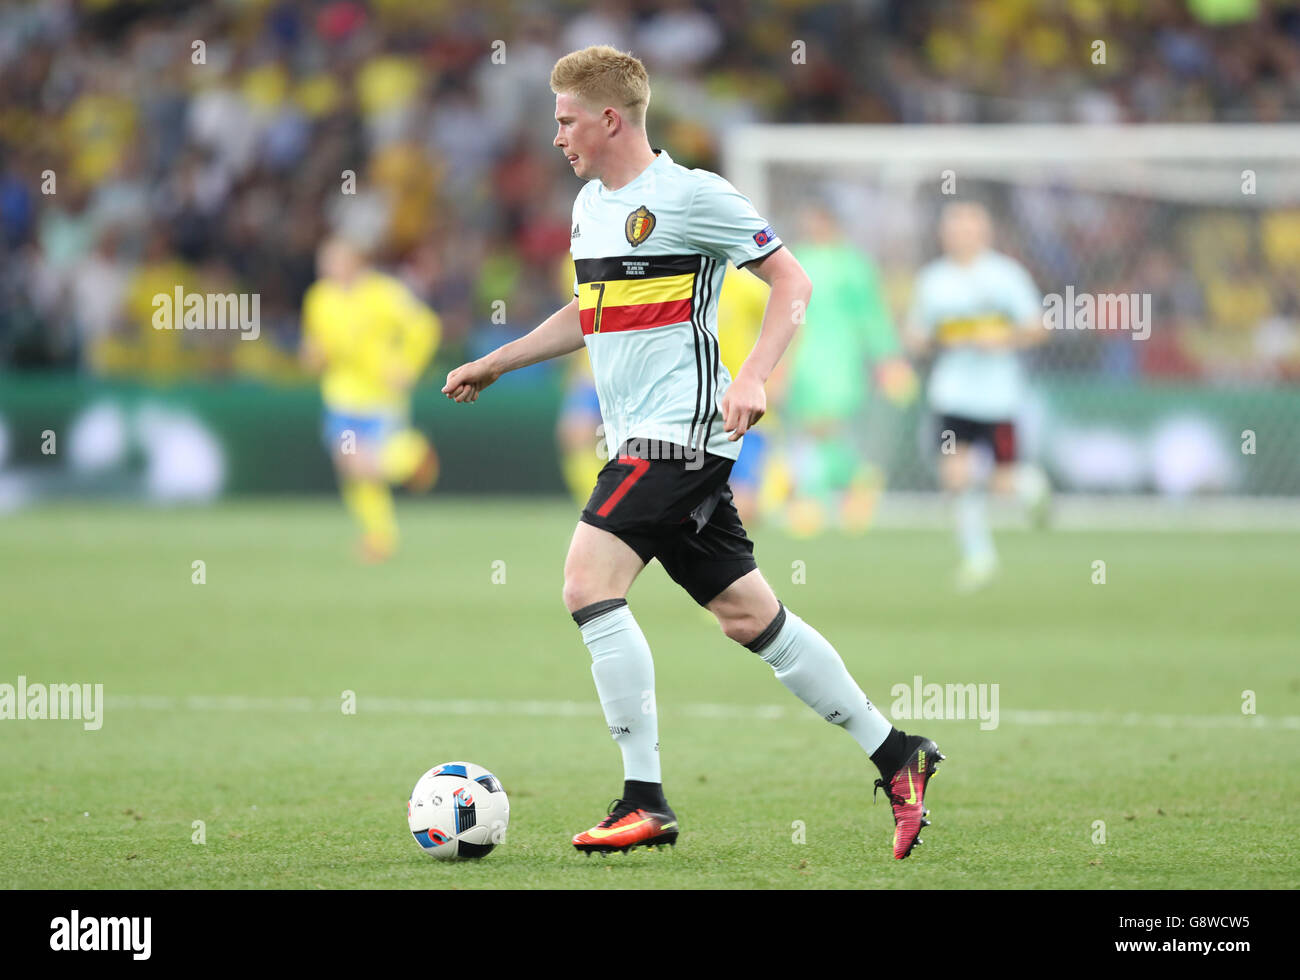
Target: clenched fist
(465,383)
(743,405)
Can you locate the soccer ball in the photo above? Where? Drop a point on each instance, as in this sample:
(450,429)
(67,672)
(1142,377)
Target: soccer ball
(458,810)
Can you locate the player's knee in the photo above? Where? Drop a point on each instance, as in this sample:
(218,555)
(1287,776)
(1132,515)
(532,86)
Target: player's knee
(1004,479)
(344,466)
(572,594)
(741,627)
(954,472)
(355,466)
(580,591)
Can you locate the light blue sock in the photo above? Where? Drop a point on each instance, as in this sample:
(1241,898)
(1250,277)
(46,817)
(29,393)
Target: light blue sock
(624,673)
(814,673)
(973,533)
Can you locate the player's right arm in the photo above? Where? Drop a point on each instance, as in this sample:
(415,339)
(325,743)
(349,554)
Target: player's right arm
(918,329)
(558,334)
(311,351)
(1027,309)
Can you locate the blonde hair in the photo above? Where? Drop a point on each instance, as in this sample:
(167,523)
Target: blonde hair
(603,76)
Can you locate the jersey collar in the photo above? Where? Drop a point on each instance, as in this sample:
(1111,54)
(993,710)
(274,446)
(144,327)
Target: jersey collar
(661,159)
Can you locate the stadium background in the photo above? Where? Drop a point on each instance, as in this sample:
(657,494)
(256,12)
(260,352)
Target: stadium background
(1146,672)
(223,176)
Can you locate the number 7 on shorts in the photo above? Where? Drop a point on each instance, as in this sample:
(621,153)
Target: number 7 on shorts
(639,468)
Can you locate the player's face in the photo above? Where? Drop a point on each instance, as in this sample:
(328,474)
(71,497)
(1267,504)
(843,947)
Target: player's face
(581,135)
(965,230)
(336,261)
(819,225)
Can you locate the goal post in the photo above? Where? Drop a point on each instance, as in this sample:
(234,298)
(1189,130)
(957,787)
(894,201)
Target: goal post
(1201,222)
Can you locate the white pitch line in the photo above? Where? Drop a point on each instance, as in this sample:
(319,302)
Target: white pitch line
(568,709)
(1099,720)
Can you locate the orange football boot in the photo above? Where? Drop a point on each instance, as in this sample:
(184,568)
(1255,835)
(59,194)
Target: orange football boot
(629,826)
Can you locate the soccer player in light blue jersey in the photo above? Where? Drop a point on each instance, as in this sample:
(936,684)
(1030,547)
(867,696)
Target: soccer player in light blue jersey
(977,309)
(651,241)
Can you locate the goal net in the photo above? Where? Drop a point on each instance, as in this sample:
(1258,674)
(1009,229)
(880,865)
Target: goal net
(1201,222)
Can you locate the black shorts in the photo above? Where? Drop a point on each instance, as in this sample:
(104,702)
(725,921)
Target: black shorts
(999,437)
(677,509)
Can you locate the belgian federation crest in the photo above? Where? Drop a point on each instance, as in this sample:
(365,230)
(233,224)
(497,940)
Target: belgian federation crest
(639,224)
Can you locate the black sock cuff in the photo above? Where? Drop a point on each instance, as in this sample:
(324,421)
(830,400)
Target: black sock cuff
(644,794)
(891,754)
(587,613)
(768,635)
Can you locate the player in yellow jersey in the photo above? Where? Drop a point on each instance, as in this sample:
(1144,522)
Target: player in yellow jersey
(754,479)
(579,430)
(370,339)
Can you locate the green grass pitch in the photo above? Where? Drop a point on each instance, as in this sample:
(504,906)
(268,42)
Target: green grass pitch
(1119,702)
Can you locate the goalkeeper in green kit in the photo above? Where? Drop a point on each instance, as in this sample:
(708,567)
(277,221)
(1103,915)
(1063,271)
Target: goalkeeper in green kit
(848,337)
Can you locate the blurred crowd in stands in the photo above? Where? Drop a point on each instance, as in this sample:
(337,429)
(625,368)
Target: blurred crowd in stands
(145,145)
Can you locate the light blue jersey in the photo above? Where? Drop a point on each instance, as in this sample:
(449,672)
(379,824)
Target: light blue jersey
(649,260)
(993,295)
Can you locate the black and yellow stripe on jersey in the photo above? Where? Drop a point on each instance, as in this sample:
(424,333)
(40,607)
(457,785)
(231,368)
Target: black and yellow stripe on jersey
(644,292)
(635,292)
(965,330)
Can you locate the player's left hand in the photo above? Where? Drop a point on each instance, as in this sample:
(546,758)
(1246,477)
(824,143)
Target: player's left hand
(897,380)
(742,406)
